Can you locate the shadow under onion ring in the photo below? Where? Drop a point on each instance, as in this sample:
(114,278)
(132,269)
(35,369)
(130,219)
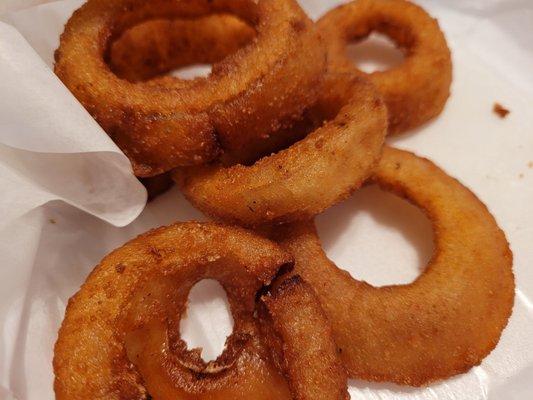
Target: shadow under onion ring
(416,90)
(311,175)
(177,122)
(443,323)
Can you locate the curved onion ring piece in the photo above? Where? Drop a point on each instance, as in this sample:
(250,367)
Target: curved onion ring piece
(415,91)
(120,337)
(158,46)
(300,338)
(444,322)
(306,178)
(176,122)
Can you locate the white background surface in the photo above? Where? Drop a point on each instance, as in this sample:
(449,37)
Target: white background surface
(66,190)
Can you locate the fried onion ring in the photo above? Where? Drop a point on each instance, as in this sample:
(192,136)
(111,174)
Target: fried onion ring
(291,316)
(120,336)
(444,322)
(134,300)
(155,47)
(177,122)
(417,90)
(306,178)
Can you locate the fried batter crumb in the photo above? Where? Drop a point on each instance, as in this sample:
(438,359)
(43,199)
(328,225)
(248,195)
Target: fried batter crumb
(120,268)
(500,110)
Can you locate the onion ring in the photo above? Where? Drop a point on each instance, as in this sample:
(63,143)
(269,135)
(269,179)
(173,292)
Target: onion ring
(444,322)
(417,90)
(140,291)
(156,47)
(120,336)
(291,316)
(177,122)
(306,178)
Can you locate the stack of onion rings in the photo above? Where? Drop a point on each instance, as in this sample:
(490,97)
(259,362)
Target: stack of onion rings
(309,176)
(160,126)
(417,90)
(268,89)
(120,337)
(446,321)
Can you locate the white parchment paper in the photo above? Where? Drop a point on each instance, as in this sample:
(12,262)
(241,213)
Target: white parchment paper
(69,196)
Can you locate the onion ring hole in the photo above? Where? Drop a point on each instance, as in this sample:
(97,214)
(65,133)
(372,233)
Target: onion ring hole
(208,321)
(377,237)
(375,53)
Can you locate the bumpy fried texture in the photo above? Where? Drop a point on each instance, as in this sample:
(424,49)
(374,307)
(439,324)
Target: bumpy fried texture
(300,337)
(309,176)
(173,122)
(417,90)
(159,46)
(443,323)
(153,48)
(120,336)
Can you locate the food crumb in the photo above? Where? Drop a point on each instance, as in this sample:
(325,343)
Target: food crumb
(52,221)
(530,164)
(500,110)
(521,176)
(120,268)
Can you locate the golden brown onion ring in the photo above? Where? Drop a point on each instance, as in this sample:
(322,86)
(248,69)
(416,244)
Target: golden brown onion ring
(417,90)
(306,178)
(300,338)
(176,122)
(155,47)
(120,336)
(158,46)
(443,323)
(139,291)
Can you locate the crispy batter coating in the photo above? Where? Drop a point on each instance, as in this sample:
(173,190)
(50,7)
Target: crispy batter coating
(120,336)
(300,337)
(417,90)
(309,176)
(155,47)
(443,323)
(172,122)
